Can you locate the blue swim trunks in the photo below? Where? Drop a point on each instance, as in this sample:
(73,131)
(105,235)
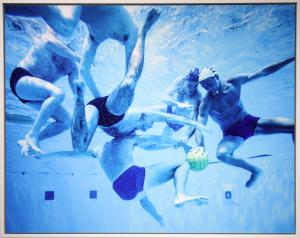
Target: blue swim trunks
(106,118)
(130,182)
(174,127)
(245,128)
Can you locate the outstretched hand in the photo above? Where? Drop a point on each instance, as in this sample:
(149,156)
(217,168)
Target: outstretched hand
(203,128)
(185,145)
(185,106)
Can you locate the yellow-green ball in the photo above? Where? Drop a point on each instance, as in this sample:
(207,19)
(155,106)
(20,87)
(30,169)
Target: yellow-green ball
(197,158)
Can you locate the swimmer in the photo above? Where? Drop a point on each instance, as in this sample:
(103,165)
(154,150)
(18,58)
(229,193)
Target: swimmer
(223,103)
(131,182)
(103,22)
(32,82)
(183,98)
(111,113)
(61,18)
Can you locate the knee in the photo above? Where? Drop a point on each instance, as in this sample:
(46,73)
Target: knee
(129,83)
(59,95)
(185,165)
(222,155)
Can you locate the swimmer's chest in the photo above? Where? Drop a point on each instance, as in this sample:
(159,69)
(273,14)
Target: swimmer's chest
(62,65)
(192,100)
(228,98)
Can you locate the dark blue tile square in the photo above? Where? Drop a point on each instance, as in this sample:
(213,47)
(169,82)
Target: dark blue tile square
(228,194)
(93,194)
(49,195)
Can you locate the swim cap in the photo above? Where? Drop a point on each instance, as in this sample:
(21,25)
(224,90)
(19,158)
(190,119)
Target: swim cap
(193,75)
(197,158)
(207,73)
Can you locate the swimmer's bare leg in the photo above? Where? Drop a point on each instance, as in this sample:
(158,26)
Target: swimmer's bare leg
(121,98)
(225,153)
(180,179)
(89,50)
(161,173)
(62,121)
(266,126)
(84,122)
(36,89)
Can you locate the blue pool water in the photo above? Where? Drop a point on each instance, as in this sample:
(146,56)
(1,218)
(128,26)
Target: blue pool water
(233,39)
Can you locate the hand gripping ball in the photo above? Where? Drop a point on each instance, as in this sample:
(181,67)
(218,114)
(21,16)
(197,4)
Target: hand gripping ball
(197,158)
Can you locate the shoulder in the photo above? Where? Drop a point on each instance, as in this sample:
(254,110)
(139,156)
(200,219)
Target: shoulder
(177,82)
(206,101)
(238,80)
(175,86)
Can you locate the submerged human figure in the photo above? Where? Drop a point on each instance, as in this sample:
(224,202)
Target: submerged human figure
(223,103)
(61,18)
(32,82)
(103,22)
(183,98)
(130,181)
(111,112)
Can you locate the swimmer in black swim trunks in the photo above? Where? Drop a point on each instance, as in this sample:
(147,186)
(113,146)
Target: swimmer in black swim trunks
(32,82)
(224,105)
(102,21)
(131,182)
(111,112)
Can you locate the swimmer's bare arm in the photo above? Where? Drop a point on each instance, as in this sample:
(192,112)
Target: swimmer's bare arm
(191,131)
(84,121)
(62,20)
(57,47)
(203,116)
(155,142)
(242,79)
(150,208)
(155,116)
(88,57)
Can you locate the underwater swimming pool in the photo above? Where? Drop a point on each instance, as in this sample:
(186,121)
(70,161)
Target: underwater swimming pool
(73,195)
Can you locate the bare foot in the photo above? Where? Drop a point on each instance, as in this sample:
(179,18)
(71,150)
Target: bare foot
(253,178)
(33,144)
(25,149)
(181,200)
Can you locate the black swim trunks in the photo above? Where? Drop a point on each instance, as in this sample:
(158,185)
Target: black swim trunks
(174,127)
(130,182)
(16,75)
(245,128)
(106,118)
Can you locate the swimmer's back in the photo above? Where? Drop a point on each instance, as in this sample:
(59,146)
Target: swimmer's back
(107,22)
